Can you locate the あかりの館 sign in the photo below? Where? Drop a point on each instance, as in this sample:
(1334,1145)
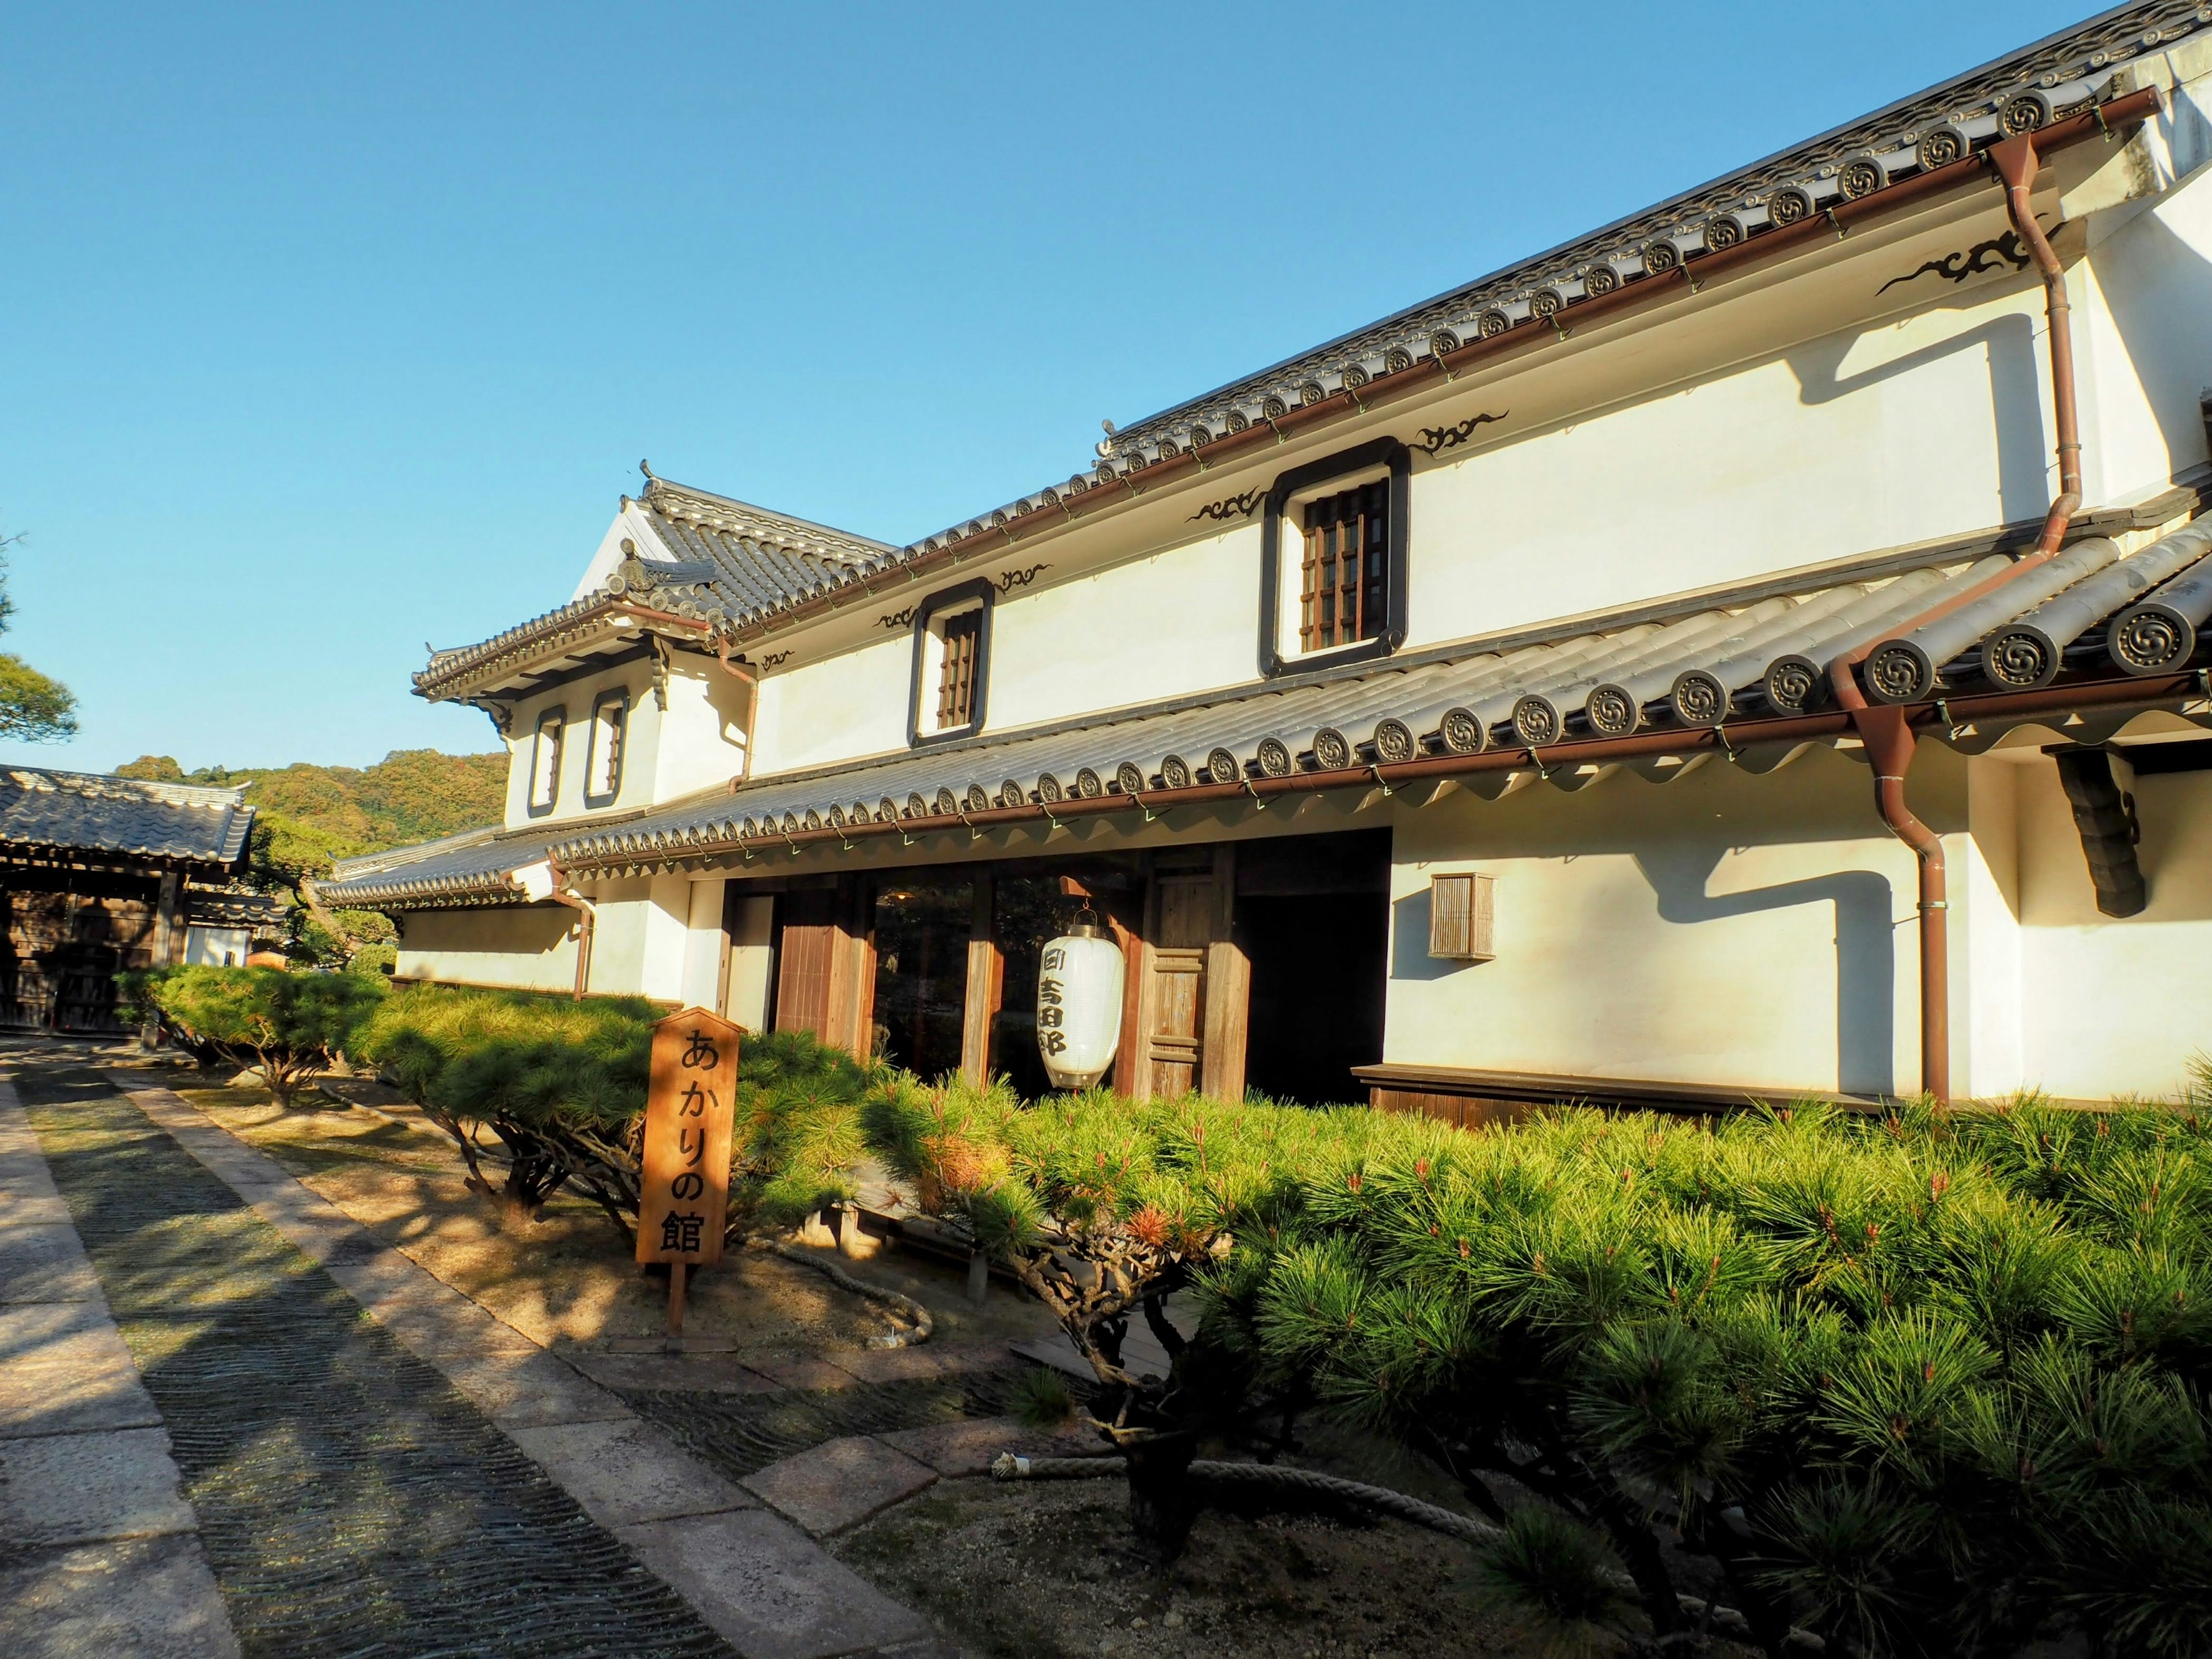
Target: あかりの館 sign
(684,1190)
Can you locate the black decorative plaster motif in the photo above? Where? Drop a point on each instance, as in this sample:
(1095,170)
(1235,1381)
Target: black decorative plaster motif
(1992,255)
(1435,440)
(1007,580)
(896,620)
(1234,507)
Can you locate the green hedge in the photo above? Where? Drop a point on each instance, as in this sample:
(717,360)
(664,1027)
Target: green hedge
(1933,1382)
(286,1026)
(560,1086)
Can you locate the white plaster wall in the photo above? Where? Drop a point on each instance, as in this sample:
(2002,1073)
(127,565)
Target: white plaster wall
(752,963)
(2108,1007)
(1725,928)
(1175,622)
(2142,332)
(703,944)
(216,947)
(523,947)
(1982,871)
(702,739)
(638,942)
(836,709)
(1864,439)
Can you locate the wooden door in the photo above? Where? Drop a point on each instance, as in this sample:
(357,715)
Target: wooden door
(1193,984)
(826,978)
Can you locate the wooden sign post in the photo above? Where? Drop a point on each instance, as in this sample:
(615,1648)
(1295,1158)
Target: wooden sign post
(684,1190)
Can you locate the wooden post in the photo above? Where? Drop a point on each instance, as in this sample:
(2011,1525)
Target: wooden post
(1227,990)
(986,981)
(168,927)
(676,1306)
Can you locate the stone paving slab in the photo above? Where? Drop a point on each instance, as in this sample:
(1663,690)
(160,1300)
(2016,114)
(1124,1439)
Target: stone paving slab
(691,1373)
(624,1474)
(769,1590)
(527,1390)
(135,1598)
(44,1262)
(799,1372)
(82,1488)
(931,1360)
(73,1378)
(839,1483)
(971,1446)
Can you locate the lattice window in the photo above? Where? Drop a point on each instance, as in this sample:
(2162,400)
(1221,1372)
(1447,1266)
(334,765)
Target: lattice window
(609,737)
(1346,577)
(545,763)
(956,678)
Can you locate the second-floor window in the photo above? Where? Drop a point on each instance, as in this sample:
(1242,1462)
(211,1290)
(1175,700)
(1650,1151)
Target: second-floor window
(603,762)
(1345,594)
(956,673)
(545,761)
(951,663)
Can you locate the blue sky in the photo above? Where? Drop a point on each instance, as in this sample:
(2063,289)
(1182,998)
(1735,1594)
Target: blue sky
(332,330)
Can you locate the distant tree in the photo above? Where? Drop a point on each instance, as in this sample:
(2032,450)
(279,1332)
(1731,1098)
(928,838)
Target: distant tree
(33,707)
(153,768)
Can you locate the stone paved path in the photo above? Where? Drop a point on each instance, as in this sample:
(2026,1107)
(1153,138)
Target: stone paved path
(378,1465)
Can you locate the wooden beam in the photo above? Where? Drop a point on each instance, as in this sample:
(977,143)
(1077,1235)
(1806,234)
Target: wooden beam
(169,934)
(987,981)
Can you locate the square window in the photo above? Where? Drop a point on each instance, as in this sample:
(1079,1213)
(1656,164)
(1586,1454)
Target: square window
(1339,594)
(951,663)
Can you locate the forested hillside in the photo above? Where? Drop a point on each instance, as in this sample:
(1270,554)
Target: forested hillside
(310,816)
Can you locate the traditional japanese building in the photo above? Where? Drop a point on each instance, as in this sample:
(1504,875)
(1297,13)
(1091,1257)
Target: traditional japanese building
(99,874)
(1752,648)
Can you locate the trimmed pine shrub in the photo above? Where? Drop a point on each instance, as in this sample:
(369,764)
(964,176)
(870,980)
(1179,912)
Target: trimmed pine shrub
(285,1026)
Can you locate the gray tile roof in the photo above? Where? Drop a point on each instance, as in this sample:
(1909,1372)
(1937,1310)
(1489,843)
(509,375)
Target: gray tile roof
(45,814)
(474,868)
(231,906)
(1689,671)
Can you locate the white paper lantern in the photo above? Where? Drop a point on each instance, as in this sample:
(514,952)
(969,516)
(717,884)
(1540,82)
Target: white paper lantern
(1079,979)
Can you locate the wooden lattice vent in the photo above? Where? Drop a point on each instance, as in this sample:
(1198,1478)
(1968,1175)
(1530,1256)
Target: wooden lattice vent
(1461,917)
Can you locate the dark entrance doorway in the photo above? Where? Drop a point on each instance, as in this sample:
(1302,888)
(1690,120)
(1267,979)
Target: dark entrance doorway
(1313,914)
(921,928)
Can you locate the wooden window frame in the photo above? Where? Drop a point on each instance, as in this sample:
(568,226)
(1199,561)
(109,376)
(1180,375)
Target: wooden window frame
(558,719)
(922,698)
(1398,460)
(618,701)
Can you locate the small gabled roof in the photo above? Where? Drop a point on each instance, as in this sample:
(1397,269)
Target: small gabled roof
(728,563)
(54,816)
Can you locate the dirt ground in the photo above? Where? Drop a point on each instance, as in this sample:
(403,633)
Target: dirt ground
(566,1280)
(1021,1571)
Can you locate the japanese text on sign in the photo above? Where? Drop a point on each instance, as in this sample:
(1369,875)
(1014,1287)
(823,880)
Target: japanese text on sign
(684,1185)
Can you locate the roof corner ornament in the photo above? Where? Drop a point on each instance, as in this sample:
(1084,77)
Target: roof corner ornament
(1104,447)
(651,476)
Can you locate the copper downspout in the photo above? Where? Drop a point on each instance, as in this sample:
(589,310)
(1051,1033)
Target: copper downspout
(1887,731)
(588,915)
